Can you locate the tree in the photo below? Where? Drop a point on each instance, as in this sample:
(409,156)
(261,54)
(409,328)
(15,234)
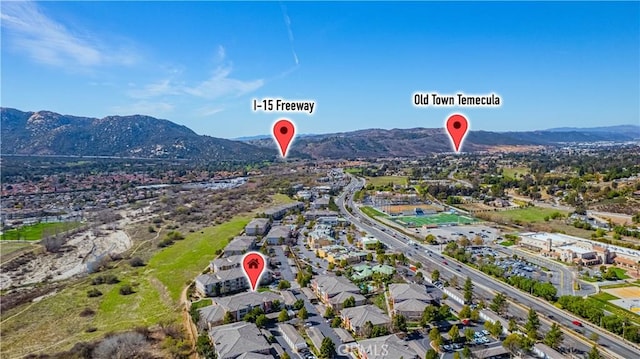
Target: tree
(429,314)
(285,355)
(327,348)
(454,333)
(513,343)
(303,314)
(466,352)
(261,321)
(554,336)
(204,347)
(329,313)
(513,325)
(499,304)
(298,304)
(431,354)
(369,257)
(399,323)
(283,316)
(468,290)
(532,325)
(475,315)
(136,262)
(336,322)
(435,275)
(228,318)
(126,290)
(594,336)
(594,353)
(456,355)
(454,281)
(367,329)
(284,284)
(465,312)
(435,336)
(349,302)
(468,334)
(494,328)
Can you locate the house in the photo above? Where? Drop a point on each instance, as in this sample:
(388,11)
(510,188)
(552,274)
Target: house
(242,303)
(328,220)
(292,337)
(233,340)
(316,336)
(337,301)
(240,245)
(278,235)
(226,263)
(317,214)
(222,282)
(409,299)
(498,352)
(210,316)
(355,318)
(278,212)
(288,298)
(327,287)
(320,203)
(389,346)
(257,227)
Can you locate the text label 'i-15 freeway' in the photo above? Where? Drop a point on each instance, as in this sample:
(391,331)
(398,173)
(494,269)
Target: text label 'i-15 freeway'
(282,105)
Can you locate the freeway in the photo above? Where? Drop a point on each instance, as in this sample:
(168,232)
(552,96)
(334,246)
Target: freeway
(613,346)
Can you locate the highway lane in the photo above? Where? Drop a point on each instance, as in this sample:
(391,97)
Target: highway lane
(614,346)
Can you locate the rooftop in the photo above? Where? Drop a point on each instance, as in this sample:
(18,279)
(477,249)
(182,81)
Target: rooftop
(395,348)
(246,299)
(358,316)
(235,339)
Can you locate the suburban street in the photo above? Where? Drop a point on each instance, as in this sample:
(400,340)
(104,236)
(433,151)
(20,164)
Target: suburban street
(612,346)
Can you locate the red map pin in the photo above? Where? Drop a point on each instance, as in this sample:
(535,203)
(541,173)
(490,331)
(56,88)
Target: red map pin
(283,132)
(457,126)
(253,266)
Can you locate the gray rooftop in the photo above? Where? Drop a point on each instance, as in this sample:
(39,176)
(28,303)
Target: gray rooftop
(333,285)
(395,348)
(403,291)
(235,339)
(410,305)
(246,299)
(279,231)
(365,313)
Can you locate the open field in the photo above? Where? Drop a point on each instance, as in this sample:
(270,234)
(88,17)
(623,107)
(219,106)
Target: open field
(385,180)
(372,212)
(280,198)
(8,249)
(622,300)
(33,232)
(399,208)
(54,323)
(440,218)
(514,172)
(530,214)
(624,292)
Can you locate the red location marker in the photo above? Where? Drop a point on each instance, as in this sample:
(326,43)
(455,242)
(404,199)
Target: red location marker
(457,127)
(283,132)
(253,265)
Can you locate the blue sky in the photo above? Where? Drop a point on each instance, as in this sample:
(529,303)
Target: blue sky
(200,63)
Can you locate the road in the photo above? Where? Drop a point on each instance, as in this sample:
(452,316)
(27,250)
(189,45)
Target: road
(613,346)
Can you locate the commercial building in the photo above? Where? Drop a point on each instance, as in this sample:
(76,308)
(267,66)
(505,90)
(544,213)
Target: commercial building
(240,245)
(222,282)
(226,263)
(278,235)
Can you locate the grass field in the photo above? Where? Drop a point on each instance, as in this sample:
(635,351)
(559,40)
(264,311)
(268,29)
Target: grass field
(372,212)
(385,180)
(440,218)
(620,273)
(9,250)
(604,296)
(530,214)
(182,261)
(280,198)
(513,172)
(507,243)
(33,232)
(53,323)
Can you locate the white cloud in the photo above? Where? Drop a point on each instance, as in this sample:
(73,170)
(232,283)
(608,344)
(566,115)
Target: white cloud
(46,41)
(161,88)
(221,54)
(209,111)
(221,85)
(144,108)
(287,23)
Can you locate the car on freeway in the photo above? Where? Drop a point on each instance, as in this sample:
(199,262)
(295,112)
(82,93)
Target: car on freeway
(445,263)
(577,323)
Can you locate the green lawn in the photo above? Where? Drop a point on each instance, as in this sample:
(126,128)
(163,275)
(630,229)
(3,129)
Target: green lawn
(385,180)
(507,243)
(439,218)
(604,296)
(280,198)
(353,171)
(512,172)
(372,212)
(181,262)
(620,273)
(33,232)
(530,214)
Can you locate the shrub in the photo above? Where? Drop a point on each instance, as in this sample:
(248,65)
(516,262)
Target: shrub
(126,290)
(136,262)
(87,312)
(91,329)
(92,293)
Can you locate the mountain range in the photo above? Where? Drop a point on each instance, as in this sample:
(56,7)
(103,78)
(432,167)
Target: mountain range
(49,133)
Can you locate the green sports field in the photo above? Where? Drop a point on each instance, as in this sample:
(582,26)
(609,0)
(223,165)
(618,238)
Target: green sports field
(438,219)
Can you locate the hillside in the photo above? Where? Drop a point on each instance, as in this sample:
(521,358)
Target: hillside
(49,133)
